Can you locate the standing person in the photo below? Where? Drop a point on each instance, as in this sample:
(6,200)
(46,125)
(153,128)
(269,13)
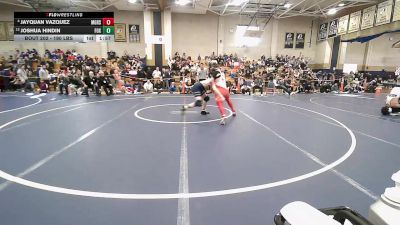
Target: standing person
(166,77)
(44,75)
(202,72)
(222,94)
(23,77)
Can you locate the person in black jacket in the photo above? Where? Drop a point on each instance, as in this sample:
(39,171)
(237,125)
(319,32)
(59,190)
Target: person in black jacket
(158,86)
(105,82)
(96,86)
(88,83)
(75,83)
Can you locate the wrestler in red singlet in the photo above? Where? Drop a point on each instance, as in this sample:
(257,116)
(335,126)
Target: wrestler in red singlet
(220,85)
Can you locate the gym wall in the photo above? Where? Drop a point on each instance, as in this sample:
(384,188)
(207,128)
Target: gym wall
(194,34)
(203,34)
(372,56)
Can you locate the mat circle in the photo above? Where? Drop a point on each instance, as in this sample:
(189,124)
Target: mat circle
(137,112)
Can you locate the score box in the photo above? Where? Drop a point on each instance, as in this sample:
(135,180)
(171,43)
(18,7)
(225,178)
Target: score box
(108,21)
(108,30)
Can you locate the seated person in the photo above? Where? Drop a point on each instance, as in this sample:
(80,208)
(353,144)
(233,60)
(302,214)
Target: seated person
(104,81)
(372,85)
(172,88)
(335,88)
(246,87)
(75,84)
(129,87)
(148,87)
(295,85)
(158,86)
(258,85)
(118,79)
(271,83)
(21,79)
(63,83)
(44,87)
(325,87)
(356,85)
(53,81)
(16,83)
(88,82)
(281,84)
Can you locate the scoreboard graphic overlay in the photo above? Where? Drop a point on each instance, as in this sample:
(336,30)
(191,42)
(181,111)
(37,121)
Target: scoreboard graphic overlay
(64,26)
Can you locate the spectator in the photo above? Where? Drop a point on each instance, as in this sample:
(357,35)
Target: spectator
(258,85)
(44,87)
(157,74)
(202,73)
(167,77)
(148,87)
(75,84)
(158,86)
(88,83)
(172,88)
(63,83)
(44,74)
(104,82)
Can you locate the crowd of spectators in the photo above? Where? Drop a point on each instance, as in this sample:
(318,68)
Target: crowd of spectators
(290,74)
(69,72)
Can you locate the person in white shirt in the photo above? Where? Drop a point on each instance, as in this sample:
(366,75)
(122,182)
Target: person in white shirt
(22,74)
(44,74)
(157,74)
(21,79)
(202,73)
(148,87)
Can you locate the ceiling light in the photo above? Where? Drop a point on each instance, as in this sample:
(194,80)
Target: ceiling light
(341,4)
(183,2)
(237,2)
(332,11)
(287,5)
(132,1)
(255,28)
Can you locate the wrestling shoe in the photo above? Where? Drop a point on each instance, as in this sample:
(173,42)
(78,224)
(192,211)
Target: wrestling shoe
(203,112)
(222,122)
